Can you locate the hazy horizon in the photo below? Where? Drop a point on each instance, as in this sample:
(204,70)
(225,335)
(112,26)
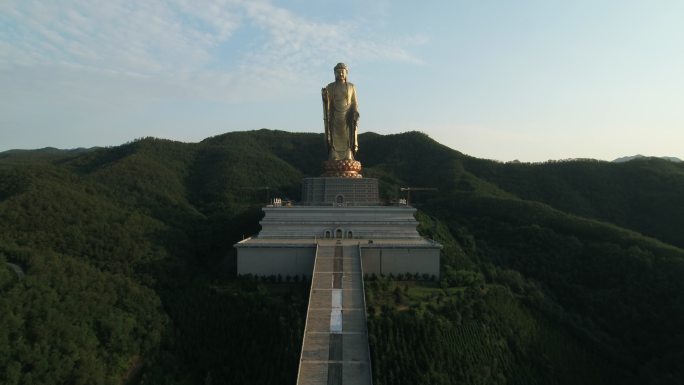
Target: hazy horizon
(456,149)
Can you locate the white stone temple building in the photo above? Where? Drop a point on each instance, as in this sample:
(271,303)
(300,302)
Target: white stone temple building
(338,208)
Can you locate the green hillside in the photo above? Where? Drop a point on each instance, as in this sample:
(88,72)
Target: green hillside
(116,266)
(639,195)
(599,291)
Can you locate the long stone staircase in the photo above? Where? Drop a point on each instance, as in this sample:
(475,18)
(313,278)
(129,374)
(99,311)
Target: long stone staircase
(335,346)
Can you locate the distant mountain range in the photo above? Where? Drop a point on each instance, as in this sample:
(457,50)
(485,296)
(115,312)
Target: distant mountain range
(639,156)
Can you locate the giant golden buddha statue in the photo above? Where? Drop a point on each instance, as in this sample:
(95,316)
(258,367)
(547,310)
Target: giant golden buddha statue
(341,117)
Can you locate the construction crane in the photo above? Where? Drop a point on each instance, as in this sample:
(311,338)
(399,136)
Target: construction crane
(409,189)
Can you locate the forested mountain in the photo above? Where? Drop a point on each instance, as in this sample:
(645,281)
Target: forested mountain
(116,266)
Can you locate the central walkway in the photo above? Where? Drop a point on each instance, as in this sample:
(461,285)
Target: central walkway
(335,346)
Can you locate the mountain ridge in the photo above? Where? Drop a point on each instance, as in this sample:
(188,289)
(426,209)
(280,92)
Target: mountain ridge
(639,156)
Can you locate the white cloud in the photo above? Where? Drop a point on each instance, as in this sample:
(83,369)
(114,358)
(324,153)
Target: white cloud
(297,41)
(148,38)
(178,44)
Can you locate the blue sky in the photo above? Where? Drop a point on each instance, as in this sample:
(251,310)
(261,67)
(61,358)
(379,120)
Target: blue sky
(505,80)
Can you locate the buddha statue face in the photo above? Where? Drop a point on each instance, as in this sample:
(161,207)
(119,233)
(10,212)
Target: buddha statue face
(341,73)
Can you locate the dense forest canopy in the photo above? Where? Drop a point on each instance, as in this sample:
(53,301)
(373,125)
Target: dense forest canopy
(116,266)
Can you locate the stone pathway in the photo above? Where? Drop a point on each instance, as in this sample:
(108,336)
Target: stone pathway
(335,346)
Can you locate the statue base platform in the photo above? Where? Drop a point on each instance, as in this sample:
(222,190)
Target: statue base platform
(326,191)
(344,168)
